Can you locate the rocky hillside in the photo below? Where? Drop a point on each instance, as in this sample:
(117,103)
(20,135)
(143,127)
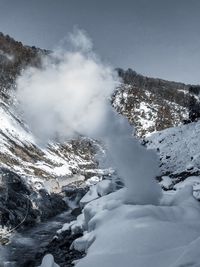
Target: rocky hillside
(19,149)
(154,104)
(150,104)
(31,175)
(14,57)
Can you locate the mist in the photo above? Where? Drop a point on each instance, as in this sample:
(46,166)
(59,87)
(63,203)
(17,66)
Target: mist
(70,96)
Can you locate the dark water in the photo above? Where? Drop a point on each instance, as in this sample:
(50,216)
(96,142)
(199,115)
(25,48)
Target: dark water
(25,248)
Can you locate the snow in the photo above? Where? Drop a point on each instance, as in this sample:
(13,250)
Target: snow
(193,181)
(92,181)
(48,261)
(179,147)
(105,187)
(166,182)
(91,195)
(57,171)
(118,234)
(147,115)
(146,108)
(179,151)
(84,242)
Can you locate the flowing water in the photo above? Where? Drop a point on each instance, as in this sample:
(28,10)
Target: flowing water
(24,248)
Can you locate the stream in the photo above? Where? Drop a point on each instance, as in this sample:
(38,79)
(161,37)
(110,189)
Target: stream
(26,248)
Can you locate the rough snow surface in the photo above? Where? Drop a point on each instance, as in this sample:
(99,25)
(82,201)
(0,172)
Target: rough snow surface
(179,151)
(117,234)
(179,147)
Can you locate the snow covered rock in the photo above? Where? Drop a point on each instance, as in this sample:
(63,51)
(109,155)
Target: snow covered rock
(90,195)
(105,187)
(48,261)
(93,180)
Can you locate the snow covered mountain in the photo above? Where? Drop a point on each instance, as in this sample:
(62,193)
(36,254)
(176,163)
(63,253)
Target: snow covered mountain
(110,230)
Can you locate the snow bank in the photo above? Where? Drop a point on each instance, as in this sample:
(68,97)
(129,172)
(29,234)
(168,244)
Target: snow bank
(119,234)
(48,261)
(91,195)
(97,190)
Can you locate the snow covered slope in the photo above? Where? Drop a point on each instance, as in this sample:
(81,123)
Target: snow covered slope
(179,150)
(20,152)
(147,110)
(153,104)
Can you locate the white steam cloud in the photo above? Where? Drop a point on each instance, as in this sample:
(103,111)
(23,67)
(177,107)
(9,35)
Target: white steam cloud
(70,95)
(134,163)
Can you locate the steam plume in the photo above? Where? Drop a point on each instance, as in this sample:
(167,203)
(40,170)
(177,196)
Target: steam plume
(70,95)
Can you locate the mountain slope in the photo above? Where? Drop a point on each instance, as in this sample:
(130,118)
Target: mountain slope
(153,104)
(14,57)
(179,151)
(32,176)
(20,150)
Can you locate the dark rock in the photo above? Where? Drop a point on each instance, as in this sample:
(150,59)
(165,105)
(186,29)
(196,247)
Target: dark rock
(76,211)
(60,249)
(16,198)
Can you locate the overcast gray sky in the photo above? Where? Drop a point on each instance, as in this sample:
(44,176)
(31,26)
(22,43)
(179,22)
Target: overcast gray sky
(159,38)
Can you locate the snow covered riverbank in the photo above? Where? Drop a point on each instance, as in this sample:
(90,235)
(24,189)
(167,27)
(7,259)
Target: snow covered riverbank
(118,234)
